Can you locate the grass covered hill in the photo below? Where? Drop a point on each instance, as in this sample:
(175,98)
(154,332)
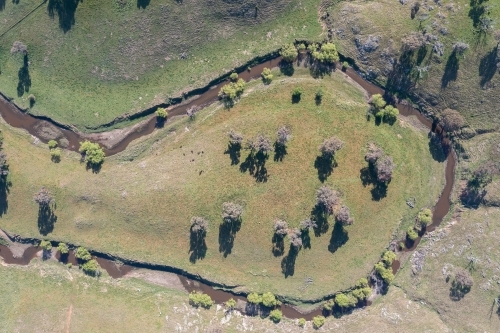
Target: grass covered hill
(141,202)
(431,69)
(91,61)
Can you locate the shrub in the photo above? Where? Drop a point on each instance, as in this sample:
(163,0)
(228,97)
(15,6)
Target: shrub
(345,65)
(411,234)
(43,197)
(69,265)
(63,248)
(319,95)
(296,238)
(327,53)
(199,299)
(390,114)
(288,52)
(52,144)
(55,154)
(232,90)
(90,267)
(328,306)
(269,300)
(384,272)
(46,245)
(93,153)
(345,301)
(267,77)
(31,99)
(301,47)
(326,198)
(425,217)
(318,321)
(233,77)
(82,254)
(276,315)
(230,304)
(161,113)
(377,101)
(235,138)
(344,216)
(330,146)
(297,92)
(198,224)
(19,47)
(451,121)
(302,322)
(231,212)
(280,228)
(254,298)
(388,257)
(283,135)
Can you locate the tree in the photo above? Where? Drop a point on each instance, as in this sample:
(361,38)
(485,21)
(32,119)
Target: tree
(43,197)
(374,153)
(268,299)
(319,96)
(267,77)
(254,298)
(413,41)
(390,114)
(388,257)
(384,272)
(377,101)
(283,135)
(296,238)
(330,146)
(233,77)
(235,138)
(297,93)
(230,304)
(198,224)
(231,212)
(328,305)
(232,90)
(308,224)
(344,216)
(451,121)
(460,47)
(326,54)
(52,144)
(276,315)
(46,245)
(384,167)
(55,154)
(326,198)
(463,279)
(197,299)
(288,52)
(83,254)
(19,47)
(302,322)
(318,321)
(425,217)
(161,113)
(411,234)
(260,144)
(90,267)
(345,301)
(280,228)
(92,152)
(63,248)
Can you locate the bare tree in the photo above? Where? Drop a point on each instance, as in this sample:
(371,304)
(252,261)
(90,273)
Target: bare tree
(283,135)
(235,138)
(384,167)
(191,112)
(451,120)
(463,279)
(19,47)
(198,224)
(261,144)
(308,224)
(43,197)
(326,198)
(295,238)
(231,212)
(330,146)
(280,228)
(374,153)
(344,216)
(460,47)
(413,41)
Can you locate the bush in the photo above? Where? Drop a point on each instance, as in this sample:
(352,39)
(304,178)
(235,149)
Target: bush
(328,306)
(302,322)
(297,92)
(345,301)
(288,52)
(378,101)
(233,77)
(326,54)
(267,77)
(301,47)
(425,217)
(276,315)
(93,153)
(69,265)
(161,113)
(254,298)
(43,197)
(345,65)
(319,95)
(411,234)
(318,321)
(199,299)
(198,224)
(232,90)
(46,245)
(384,272)
(230,304)
(55,154)
(231,212)
(390,114)
(83,254)
(52,144)
(63,248)
(90,267)
(330,146)
(269,300)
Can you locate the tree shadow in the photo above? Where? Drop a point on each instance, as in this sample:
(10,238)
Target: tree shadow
(476,11)
(319,70)
(488,66)
(46,219)
(65,10)
(15,2)
(227,233)
(340,236)
(320,217)
(255,164)
(5,185)
(197,246)
(143,3)
(278,245)
(2,4)
(279,152)
(400,78)
(439,151)
(421,54)
(368,176)
(234,152)
(288,262)
(450,70)
(24,78)
(472,196)
(160,122)
(306,239)
(286,68)
(96,168)
(458,292)
(252,309)
(324,164)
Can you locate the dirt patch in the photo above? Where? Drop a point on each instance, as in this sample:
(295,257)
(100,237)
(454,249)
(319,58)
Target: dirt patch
(113,137)
(164,279)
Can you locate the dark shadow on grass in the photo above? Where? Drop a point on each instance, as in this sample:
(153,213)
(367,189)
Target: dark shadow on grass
(339,237)
(227,233)
(279,152)
(319,70)
(439,151)
(24,78)
(286,68)
(234,152)
(476,11)
(160,122)
(368,176)
(255,164)
(197,246)
(142,3)
(15,2)
(2,4)
(488,66)
(306,238)
(450,70)
(278,245)
(457,292)
(324,164)
(421,54)
(5,185)
(320,217)
(65,10)
(288,262)
(46,219)
(400,78)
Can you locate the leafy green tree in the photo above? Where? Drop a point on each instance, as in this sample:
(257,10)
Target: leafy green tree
(345,301)
(411,234)
(318,321)
(326,54)
(55,154)
(232,90)
(233,77)
(199,299)
(384,272)
(254,298)
(425,217)
(302,322)
(288,52)
(161,113)
(276,315)
(94,154)
(390,114)
(63,248)
(301,47)
(319,95)
(83,254)
(345,65)
(230,304)
(328,305)
(362,293)
(388,257)
(52,144)
(267,77)
(90,267)
(378,101)
(46,245)
(269,300)
(297,92)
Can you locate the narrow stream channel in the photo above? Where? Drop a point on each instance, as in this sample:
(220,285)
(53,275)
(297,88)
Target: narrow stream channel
(19,119)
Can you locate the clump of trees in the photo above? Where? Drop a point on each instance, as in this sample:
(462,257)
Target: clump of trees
(197,299)
(424,217)
(92,153)
(327,53)
(382,111)
(383,268)
(267,76)
(88,265)
(451,121)
(326,199)
(161,113)
(288,52)
(231,91)
(383,165)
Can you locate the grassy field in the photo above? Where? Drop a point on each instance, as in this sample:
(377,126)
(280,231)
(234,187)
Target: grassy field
(469,84)
(48,297)
(92,61)
(140,204)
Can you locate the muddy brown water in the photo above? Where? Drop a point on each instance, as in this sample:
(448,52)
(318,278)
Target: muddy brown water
(16,118)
